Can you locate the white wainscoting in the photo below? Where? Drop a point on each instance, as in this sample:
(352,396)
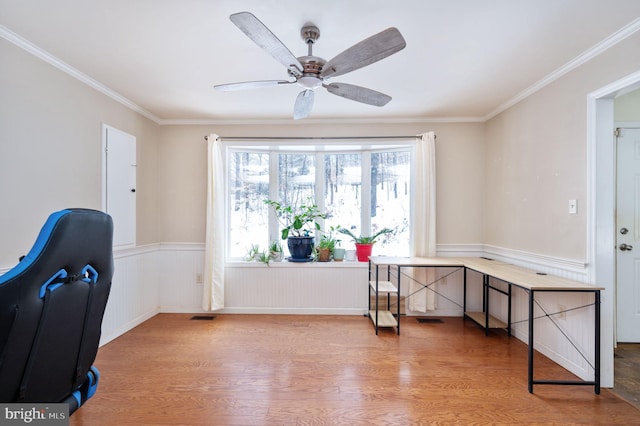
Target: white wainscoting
(135,294)
(181,267)
(296,288)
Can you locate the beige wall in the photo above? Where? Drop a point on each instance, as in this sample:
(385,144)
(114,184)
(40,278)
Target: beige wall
(50,150)
(537,160)
(459,162)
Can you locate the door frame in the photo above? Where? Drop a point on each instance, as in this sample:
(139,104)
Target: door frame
(601,181)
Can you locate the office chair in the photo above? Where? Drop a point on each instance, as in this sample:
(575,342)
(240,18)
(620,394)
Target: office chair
(51,308)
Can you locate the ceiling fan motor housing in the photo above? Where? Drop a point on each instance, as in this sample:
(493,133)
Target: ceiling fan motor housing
(311,68)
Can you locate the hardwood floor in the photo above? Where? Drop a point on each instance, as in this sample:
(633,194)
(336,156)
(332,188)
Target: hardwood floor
(627,372)
(330,370)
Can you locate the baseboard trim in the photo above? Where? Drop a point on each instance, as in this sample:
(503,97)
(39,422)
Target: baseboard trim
(293,311)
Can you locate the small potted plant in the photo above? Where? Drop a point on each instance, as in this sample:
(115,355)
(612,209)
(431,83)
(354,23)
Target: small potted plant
(298,224)
(364,244)
(328,245)
(275,251)
(325,247)
(264,257)
(338,254)
(253,253)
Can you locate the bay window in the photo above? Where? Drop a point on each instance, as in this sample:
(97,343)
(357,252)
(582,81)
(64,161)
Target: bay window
(361,187)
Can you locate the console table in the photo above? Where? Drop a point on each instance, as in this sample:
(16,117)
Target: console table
(530,281)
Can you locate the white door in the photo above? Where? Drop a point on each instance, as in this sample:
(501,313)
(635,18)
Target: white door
(119,184)
(628,235)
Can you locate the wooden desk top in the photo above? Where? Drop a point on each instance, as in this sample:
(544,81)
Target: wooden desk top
(516,275)
(417,261)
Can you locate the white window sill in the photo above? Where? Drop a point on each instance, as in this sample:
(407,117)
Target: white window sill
(286,264)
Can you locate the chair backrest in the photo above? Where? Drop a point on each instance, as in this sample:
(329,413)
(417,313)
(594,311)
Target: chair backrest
(51,308)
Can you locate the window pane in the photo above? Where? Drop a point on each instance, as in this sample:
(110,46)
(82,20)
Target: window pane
(248,214)
(297,179)
(391,200)
(248,187)
(296,182)
(342,177)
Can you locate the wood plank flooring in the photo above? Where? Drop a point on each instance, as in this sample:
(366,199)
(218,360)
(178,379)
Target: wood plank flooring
(330,370)
(627,372)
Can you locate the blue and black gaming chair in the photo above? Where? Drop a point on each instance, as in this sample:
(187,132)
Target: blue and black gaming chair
(51,309)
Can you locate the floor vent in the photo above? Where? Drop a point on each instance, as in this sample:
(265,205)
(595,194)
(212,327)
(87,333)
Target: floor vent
(429,320)
(203,317)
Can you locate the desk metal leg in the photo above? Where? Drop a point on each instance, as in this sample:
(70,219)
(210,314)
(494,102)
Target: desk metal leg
(597,344)
(398,301)
(596,367)
(377,298)
(509,311)
(530,363)
(464,293)
(485,289)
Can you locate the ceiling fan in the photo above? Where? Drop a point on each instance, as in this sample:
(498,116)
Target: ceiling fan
(311,72)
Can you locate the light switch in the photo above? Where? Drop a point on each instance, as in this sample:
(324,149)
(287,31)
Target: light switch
(573,206)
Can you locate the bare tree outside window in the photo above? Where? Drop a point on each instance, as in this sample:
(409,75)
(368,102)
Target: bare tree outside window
(248,186)
(391,191)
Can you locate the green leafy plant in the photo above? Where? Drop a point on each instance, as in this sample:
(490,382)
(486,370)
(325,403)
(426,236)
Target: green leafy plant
(365,239)
(265,257)
(327,240)
(275,251)
(253,253)
(275,247)
(297,221)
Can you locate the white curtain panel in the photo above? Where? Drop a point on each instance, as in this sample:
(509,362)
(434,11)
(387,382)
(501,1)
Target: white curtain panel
(213,294)
(424,225)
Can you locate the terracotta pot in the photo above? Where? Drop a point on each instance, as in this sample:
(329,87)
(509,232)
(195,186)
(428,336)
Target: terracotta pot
(363,251)
(324,255)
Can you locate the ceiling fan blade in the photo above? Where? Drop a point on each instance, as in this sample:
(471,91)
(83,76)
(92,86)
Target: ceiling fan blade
(246,85)
(368,51)
(358,94)
(304,103)
(263,37)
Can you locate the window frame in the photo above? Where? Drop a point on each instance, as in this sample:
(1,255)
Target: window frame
(348,146)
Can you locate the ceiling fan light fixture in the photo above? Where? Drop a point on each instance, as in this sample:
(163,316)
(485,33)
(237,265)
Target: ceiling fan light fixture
(309,82)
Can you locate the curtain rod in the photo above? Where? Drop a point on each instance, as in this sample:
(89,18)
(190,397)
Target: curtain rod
(284,138)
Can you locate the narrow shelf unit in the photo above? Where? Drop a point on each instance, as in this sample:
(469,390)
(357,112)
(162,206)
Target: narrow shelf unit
(480,318)
(380,286)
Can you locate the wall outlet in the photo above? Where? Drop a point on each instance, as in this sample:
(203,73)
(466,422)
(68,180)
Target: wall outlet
(562,312)
(199,278)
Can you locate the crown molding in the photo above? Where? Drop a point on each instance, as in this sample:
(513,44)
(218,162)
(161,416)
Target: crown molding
(42,54)
(586,56)
(308,121)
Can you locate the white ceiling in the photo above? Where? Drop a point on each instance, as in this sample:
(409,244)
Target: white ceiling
(465,59)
